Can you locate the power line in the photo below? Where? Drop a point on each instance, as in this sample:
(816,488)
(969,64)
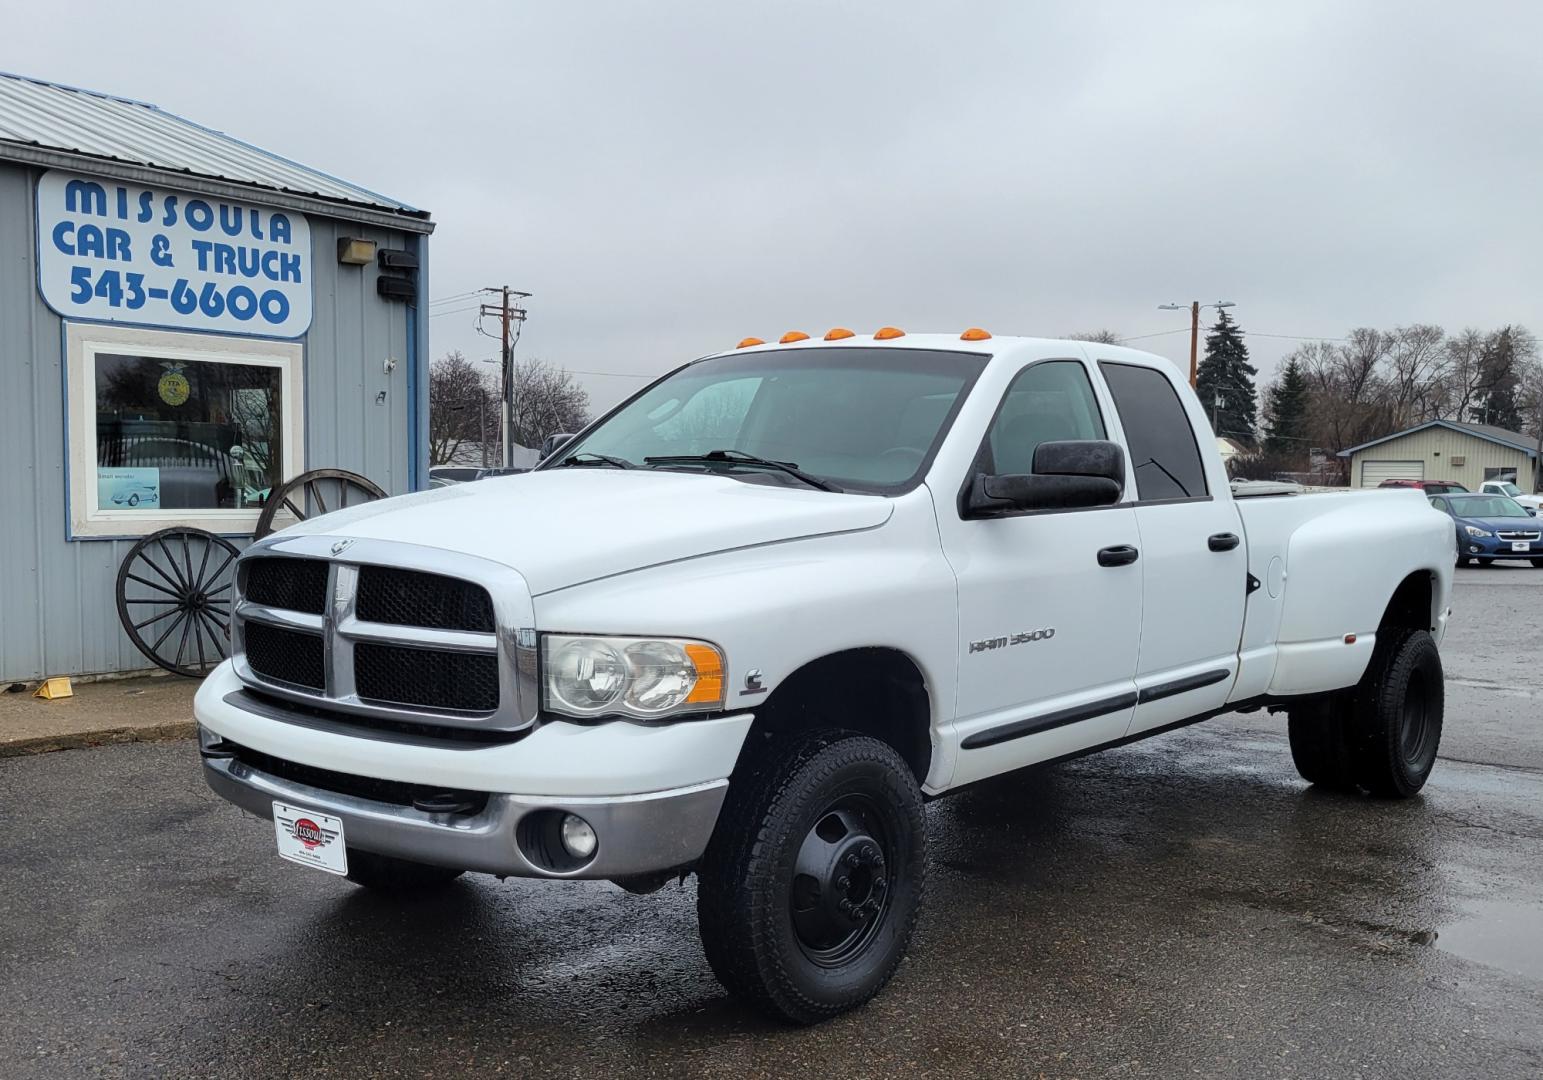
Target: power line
(453,297)
(453,311)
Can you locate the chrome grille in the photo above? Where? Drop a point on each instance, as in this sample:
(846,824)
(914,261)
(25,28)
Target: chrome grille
(292,584)
(289,656)
(1517,534)
(432,678)
(399,633)
(411,598)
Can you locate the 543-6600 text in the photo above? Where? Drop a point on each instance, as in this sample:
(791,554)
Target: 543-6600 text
(128,290)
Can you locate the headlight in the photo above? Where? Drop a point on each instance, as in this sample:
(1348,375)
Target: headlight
(1474,530)
(642,677)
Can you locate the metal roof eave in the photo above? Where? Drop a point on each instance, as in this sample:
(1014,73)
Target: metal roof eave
(1530,451)
(111,168)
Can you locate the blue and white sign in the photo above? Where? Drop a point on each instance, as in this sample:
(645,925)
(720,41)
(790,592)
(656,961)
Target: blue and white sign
(128,489)
(151,257)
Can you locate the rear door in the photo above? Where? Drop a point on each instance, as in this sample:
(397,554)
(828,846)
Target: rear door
(1048,630)
(1196,564)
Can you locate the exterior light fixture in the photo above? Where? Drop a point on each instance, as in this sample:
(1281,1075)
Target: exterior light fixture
(353,251)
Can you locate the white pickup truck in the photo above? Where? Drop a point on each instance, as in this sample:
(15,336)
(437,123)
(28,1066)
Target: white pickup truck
(749,622)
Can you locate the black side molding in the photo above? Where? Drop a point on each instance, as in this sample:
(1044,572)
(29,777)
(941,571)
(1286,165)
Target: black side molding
(1034,724)
(1182,686)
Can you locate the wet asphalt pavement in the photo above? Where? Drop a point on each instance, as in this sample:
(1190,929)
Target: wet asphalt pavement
(1184,906)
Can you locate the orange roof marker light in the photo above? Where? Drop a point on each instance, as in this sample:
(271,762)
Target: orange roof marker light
(838,333)
(887,332)
(792,336)
(749,341)
(974,333)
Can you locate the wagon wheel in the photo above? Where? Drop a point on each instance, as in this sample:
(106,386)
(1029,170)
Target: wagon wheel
(316,492)
(174,599)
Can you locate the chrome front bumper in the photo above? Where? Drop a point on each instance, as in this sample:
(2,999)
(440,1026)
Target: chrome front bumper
(638,834)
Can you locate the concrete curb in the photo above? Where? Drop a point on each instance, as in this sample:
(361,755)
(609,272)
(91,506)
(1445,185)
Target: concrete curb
(75,740)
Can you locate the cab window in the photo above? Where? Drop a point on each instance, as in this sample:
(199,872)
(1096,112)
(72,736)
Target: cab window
(1047,402)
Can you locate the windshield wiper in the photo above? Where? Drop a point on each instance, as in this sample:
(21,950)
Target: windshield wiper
(587,458)
(739,457)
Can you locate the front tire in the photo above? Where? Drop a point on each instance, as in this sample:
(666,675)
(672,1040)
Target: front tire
(1400,704)
(1537,564)
(810,887)
(387,874)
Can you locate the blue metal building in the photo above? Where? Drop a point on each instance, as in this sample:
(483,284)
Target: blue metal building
(185,320)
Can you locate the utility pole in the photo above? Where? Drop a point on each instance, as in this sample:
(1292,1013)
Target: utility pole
(1194,332)
(507,315)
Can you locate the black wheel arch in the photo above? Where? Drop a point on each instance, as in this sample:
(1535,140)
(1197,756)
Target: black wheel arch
(1413,604)
(878,691)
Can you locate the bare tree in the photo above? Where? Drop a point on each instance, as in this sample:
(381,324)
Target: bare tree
(1415,364)
(547,400)
(1102,337)
(463,409)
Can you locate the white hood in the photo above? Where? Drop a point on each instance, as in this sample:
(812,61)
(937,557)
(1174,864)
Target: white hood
(566,526)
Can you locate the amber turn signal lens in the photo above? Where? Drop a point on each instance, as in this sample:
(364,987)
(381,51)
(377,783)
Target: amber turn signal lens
(838,333)
(974,333)
(887,332)
(709,675)
(792,336)
(749,341)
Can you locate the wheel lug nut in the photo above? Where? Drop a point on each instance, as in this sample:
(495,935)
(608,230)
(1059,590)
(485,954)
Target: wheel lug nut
(879,886)
(843,883)
(848,908)
(852,860)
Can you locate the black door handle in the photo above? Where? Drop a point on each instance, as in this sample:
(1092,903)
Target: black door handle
(1223,542)
(1119,555)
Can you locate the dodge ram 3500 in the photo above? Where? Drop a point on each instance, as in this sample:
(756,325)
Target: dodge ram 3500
(748,622)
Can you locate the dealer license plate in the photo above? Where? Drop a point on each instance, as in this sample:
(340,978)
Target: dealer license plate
(310,838)
(1521,545)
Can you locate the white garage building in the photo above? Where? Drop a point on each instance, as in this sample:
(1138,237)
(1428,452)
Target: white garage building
(1467,454)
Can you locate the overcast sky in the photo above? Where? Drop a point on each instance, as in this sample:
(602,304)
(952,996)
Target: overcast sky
(667,178)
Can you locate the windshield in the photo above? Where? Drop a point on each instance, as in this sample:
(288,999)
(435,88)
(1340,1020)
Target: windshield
(1487,506)
(856,418)
(1510,489)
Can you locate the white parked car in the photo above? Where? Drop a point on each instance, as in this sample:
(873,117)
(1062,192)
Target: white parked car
(746,624)
(1506,487)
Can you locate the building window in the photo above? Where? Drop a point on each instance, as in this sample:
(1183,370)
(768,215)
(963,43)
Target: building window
(178,429)
(1507,472)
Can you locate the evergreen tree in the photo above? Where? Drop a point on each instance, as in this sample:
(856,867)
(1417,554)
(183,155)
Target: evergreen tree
(1286,426)
(1225,382)
(1498,381)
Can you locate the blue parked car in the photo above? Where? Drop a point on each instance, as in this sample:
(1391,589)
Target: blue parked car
(1491,527)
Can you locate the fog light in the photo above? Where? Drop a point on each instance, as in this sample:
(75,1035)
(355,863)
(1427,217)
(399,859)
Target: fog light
(1475,548)
(578,836)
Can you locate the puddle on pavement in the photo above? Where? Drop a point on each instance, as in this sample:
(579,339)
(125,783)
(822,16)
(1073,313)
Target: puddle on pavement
(1502,935)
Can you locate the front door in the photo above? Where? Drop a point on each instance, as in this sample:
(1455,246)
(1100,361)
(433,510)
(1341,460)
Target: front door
(1048,632)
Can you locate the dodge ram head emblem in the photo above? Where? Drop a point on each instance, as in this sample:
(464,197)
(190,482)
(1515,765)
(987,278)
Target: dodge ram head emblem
(342,546)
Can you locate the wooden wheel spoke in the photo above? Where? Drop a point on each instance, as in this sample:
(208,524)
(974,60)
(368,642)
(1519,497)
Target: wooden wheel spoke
(150,584)
(217,635)
(293,509)
(204,564)
(176,589)
(156,618)
(183,643)
(313,489)
(167,632)
(172,560)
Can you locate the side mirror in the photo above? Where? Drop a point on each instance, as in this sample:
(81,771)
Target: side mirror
(1067,475)
(1531,512)
(553,443)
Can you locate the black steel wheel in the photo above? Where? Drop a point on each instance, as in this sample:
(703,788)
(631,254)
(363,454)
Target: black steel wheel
(319,491)
(1400,703)
(809,890)
(174,599)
